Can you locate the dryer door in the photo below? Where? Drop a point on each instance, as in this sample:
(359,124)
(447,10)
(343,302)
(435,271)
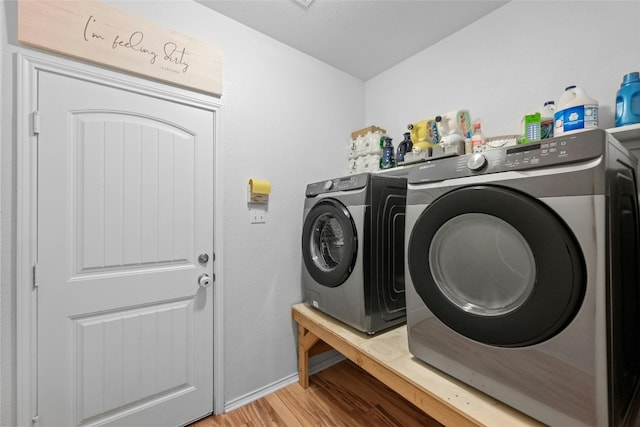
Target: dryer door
(329,243)
(496,266)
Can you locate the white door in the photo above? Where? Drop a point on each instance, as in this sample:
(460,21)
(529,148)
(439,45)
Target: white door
(125,208)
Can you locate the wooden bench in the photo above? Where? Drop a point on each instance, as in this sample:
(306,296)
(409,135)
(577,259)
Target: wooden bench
(386,356)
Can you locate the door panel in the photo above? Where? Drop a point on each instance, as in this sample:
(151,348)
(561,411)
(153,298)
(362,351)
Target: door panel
(125,205)
(112,152)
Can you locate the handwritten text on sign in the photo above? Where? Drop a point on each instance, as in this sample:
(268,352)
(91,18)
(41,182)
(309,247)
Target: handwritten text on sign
(93,31)
(135,42)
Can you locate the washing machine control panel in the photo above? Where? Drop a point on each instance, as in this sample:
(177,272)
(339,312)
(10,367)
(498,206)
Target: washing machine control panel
(533,155)
(346,183)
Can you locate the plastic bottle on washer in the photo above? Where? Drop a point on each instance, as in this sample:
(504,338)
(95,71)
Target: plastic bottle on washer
(546,120)
(451,139)
(387,161)
(477,138)
(468,147)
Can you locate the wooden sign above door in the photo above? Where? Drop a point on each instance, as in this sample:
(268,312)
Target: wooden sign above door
(96,32)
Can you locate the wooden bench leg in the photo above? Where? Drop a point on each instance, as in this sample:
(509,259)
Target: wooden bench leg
(306,341)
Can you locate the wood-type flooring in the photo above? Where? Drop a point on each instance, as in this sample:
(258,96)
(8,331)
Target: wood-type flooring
(342,395)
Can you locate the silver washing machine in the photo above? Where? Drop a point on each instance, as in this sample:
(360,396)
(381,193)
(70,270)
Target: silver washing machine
(522,270)
(353,250)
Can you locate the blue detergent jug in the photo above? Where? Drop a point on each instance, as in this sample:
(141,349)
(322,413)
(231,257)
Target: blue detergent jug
(628,100)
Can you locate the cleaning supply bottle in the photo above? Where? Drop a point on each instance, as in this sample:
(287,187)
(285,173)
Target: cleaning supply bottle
(532,125)
(404,147)
(477,138)
(424,134)
(468,147)
(575,112)
(546,119)
(628,100)
(450,140)
(387,161)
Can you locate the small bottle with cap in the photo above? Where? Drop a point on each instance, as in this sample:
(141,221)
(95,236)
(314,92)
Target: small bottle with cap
(477,138)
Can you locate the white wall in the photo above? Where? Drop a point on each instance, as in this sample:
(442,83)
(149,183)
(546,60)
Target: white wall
(286,118)
(514,59)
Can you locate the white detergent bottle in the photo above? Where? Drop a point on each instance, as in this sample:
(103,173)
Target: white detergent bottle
(450,138)
(575,112)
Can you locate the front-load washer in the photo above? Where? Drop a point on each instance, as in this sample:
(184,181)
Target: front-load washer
(353,250)
(522,271)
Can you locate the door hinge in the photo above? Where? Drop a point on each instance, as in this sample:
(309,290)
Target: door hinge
(35,421)
(35,122)
(213,277)
(36,275)
(213,256)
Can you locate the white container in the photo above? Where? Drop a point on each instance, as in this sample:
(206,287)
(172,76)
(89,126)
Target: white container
(477,139)
(575,112)
(459,121)
(547,119)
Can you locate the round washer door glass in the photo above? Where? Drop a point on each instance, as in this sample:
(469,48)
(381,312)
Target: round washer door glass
(329,243)
(496,255)
(496,266)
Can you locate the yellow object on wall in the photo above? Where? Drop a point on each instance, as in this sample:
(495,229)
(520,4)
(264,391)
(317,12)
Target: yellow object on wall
(259,191)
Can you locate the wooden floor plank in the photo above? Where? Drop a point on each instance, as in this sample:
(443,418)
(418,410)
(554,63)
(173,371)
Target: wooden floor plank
(342,395)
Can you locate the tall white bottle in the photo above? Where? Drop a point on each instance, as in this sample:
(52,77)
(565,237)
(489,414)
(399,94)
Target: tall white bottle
(575,112)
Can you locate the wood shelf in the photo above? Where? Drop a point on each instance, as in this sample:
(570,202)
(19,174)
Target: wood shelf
(386,356)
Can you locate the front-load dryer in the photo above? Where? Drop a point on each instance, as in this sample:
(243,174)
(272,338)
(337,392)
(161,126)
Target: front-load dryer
(353,250)
(523,274)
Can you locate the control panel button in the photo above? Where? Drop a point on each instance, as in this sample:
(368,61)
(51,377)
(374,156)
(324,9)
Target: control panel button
(328,185)
(476,162)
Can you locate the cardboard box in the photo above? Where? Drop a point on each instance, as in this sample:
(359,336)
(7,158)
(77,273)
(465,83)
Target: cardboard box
(357,133)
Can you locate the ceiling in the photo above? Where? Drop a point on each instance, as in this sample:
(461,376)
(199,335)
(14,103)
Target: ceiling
(360,37)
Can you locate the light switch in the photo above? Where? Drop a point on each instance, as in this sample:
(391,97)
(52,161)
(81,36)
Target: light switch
(257,215)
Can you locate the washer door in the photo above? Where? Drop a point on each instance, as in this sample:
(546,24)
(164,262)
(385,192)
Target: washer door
(496,266)
(329,243)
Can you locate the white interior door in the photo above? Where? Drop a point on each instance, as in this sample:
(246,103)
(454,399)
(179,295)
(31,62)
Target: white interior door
(125,208)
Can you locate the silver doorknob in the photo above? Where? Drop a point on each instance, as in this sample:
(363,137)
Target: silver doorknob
(204,280)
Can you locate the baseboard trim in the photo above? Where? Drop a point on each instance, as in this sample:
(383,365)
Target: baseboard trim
(314,367)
